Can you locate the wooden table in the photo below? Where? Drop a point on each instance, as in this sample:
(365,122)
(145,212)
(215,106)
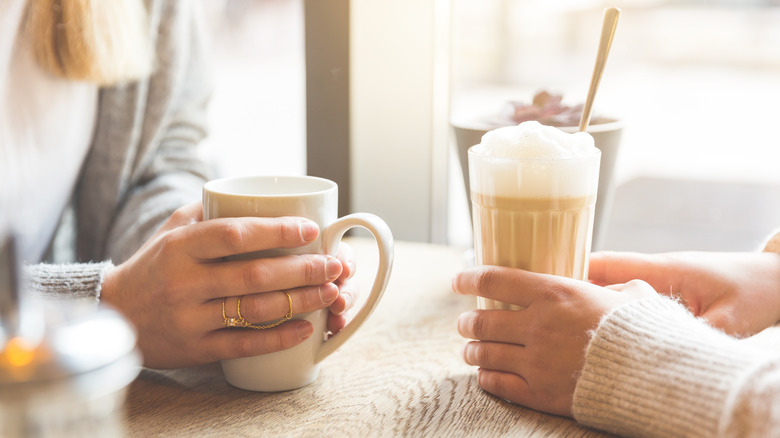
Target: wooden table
(401,375)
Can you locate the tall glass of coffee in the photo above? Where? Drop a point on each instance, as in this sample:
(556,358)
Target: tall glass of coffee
(533,191)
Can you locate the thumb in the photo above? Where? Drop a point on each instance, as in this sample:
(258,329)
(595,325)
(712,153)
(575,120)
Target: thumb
(610,267)
(186,215)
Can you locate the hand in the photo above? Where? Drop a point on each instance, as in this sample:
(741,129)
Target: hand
(172,288)
(738,293)
(348,292)
(534,356)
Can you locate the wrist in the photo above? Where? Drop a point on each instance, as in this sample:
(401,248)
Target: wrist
(108,285)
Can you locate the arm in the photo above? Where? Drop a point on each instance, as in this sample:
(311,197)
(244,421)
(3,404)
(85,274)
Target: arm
(736,292)
(620,358)
(651,369)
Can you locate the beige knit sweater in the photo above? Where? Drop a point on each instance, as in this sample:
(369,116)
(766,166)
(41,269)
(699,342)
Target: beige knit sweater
(652,369)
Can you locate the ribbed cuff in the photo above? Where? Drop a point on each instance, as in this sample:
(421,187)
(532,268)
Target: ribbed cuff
(773,244)
(652,369)
(80,281)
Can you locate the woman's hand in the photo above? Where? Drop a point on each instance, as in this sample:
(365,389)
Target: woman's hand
(533,356)
(738,293)
(172,289)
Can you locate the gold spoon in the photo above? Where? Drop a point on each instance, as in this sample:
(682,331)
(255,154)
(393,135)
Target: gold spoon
(607,33)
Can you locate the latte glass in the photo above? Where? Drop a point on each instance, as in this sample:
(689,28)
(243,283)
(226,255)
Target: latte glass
(534,214)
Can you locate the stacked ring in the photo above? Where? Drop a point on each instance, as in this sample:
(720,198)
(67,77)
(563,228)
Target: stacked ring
(240,321)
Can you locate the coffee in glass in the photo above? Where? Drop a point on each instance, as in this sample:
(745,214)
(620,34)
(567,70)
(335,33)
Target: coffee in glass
(533,192)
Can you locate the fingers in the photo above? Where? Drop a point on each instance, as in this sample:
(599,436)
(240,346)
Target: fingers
(513,373)
(347,257)
(490,282)
(336,322)
(348,296)
(185,215)
(338,315)
(494,356)
(242,277)
(271,306)
(508,386)
(493,325)
(608,268)
(509,285)
(230,344)
(223,237)
(499,370)
(348,291)
(343,303)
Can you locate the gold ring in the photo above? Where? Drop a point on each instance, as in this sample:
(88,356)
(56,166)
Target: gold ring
(232,321)
(244,323)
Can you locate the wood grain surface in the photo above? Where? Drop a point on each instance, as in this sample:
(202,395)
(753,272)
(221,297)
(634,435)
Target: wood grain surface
(400,375)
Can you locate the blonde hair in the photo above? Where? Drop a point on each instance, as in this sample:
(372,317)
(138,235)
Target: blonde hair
(106,42)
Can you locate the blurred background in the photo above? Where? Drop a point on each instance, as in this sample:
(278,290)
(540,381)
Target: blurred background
(696,82)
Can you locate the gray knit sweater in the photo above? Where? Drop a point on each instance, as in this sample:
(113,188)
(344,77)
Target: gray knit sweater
(143,161)
(652,369)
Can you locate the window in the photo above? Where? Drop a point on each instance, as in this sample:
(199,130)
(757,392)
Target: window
(696,82)
(258,112)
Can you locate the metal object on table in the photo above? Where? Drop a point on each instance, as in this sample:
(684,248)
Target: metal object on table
(64,366)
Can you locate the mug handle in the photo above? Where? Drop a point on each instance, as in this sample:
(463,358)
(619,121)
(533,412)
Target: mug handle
(330,244)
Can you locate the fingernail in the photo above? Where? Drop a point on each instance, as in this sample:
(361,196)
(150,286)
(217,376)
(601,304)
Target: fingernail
(328,293)
(465,353)
(305,330)
(309,231)
(463,323)
(347,303)
(333,267)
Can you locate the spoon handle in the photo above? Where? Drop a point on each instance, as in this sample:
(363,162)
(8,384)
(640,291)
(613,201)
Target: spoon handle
(605,43)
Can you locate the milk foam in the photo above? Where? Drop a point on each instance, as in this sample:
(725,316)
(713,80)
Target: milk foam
(534,140)
(534,160)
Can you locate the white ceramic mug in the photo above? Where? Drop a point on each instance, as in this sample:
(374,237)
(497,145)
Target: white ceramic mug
(315,199)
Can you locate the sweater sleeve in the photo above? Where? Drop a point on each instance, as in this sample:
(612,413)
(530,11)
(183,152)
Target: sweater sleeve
(144,162)
(169,172)
(652,369)
(80,281)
